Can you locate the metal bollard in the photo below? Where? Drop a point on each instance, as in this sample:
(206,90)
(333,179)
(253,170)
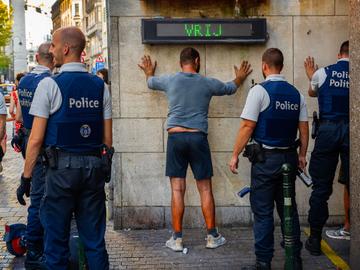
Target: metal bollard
(82,257)
(288,221)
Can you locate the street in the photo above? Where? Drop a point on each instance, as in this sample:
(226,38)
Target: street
(145,249)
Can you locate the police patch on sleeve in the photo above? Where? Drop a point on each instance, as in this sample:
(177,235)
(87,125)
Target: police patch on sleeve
(85,131)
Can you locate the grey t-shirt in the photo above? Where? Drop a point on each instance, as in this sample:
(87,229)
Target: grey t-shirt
(189,97)
(47,99)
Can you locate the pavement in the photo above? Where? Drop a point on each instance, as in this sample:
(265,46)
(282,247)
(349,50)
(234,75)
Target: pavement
(145,249)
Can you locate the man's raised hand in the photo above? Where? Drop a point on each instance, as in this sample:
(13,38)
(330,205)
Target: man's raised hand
(310,66)
(242,72)
(147,66)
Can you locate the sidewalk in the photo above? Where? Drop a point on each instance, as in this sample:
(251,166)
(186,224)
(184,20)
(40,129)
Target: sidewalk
(145,249)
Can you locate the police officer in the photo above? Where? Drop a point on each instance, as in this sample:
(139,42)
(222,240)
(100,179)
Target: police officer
(331,86)
(26,91)
(72,118)
(273,113)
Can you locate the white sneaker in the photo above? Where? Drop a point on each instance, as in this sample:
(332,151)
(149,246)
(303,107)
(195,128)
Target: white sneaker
(214,242)
(338,234)
(175,244)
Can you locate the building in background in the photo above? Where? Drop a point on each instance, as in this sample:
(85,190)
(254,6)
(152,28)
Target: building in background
(55,15)
(95,29)
(17,48)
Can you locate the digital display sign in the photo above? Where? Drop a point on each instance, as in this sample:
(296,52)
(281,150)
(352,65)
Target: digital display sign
(163,31)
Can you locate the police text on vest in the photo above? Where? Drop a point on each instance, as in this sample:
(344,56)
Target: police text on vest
(286,106)
(83,103)
(339,79)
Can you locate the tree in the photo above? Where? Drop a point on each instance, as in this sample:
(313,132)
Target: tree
(6,23)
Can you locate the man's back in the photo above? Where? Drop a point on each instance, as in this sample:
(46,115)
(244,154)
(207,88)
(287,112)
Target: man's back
(189,96)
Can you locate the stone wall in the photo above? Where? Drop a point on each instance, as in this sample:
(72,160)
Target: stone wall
(141,194)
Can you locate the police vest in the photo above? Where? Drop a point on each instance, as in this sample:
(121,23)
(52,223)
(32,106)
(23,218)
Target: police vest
(277,125)
(333,95)
(26,92)
(78,124)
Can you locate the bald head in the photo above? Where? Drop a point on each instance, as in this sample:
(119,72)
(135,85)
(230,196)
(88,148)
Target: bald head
(44,57)
(73,37)
(67,45)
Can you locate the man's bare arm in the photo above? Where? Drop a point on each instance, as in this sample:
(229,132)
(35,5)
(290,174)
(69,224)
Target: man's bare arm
(2,126)
(304,141)
(18,115)
(36,140)
(246,129)
(108,132)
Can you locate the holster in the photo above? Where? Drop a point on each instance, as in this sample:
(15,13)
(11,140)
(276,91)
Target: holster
(254,152)
(315,125)
(106,159)
(51,157)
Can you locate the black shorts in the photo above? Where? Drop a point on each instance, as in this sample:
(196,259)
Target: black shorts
(188,147)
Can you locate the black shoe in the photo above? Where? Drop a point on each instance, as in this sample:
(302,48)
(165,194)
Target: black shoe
(262,266)
(34,260)
(313,246)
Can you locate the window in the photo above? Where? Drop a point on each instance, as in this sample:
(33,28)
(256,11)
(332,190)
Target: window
(76,9)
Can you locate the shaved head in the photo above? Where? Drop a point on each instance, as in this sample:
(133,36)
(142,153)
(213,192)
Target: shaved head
(43,54)
(73,37)
(67,45)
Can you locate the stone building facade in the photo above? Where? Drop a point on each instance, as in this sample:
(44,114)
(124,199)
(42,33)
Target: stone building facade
(140,193)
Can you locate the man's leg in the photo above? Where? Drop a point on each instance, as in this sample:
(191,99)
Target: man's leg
(323,163)
(34,229)
(262,204)
(56,212)
(90,214)
(178,187)
(207,202)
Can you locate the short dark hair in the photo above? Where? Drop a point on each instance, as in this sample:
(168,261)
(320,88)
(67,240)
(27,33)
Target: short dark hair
(19,76)
(344,48)
(274,58)
(188,55)
(104,72)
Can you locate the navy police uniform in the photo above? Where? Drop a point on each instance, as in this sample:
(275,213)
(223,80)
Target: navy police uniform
(34,229)
(74,176)
(277,107)
(332,141)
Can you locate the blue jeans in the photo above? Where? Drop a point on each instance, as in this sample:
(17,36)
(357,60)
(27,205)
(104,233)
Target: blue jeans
(76,186)
(331,143)
(34,229)
(267,188)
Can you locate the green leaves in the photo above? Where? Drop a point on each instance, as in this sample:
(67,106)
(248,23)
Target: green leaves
(6,22)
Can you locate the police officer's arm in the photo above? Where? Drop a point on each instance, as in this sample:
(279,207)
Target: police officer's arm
(34,144)
(310,69)
(245,131)
(107,132)
(304,141)
(18,115)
